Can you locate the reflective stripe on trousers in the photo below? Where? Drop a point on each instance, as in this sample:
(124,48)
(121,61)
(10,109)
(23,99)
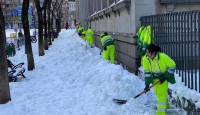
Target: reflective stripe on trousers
(109,54)
(161,94)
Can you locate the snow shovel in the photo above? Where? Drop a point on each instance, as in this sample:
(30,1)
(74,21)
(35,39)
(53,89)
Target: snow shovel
(120,102)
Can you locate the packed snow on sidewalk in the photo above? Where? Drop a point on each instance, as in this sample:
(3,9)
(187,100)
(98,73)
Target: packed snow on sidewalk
(73,79)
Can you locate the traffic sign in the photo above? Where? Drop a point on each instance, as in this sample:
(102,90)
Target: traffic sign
(29,19)
(30,11)
(14,13)
(14,18)
(20,18)
(19,9)
(18,13)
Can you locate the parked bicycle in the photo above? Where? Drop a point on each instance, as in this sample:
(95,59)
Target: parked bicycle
(33,39)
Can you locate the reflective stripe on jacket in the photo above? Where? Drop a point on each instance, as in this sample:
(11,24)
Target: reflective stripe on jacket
(107,40)
(161,65)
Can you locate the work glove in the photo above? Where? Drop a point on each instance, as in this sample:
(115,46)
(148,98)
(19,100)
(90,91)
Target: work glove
(146,88)
(104,48)
(163,79)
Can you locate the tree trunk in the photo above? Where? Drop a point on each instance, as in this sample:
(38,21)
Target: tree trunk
(52,35)
(57,25)
(25,23)
(60,17)
(40,26)
(58,22)
(4,84)
(41,45)
(45,30)
(49,22)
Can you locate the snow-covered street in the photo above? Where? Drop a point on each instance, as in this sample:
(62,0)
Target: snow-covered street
(73,79)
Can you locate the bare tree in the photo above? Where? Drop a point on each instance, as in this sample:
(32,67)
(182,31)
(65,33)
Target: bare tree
(25,23)
(59,15)
(49,22)
(40,21)
(4,84)
(45,29)
(54,4)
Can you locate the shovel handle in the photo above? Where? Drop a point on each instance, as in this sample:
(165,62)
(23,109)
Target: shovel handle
(148,89)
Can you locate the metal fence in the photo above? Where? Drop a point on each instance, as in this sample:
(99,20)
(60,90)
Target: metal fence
(178,35)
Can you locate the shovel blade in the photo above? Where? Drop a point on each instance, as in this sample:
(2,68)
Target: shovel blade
(119,101)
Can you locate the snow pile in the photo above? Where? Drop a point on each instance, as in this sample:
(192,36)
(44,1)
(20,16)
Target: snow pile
(73,79)
(183,91)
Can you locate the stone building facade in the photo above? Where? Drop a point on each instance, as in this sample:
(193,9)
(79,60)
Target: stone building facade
(121,19)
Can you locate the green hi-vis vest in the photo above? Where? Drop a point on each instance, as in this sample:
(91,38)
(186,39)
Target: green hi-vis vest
(107,40)
(89,32)
(162,65)
(80,29)
(140,40)
(83,33)
(144,39)
(147,37)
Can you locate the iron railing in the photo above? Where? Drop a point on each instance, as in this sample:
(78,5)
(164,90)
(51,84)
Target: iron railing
(178,35)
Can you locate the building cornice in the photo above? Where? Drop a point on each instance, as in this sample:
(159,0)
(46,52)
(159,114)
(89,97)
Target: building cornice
(114,8)
(180,1)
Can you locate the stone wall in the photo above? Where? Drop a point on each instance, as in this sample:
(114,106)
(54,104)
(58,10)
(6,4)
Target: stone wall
(125,50)
(119,22)
(185,104)
(176,7)
(122,22)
